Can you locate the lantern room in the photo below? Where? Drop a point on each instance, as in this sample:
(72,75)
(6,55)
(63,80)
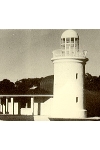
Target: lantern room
(70,40)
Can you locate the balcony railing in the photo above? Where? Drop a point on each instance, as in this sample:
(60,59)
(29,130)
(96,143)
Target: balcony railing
(69,53)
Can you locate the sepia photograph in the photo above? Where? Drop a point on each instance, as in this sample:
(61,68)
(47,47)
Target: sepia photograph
(49,75)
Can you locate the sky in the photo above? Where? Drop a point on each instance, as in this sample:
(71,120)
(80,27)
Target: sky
(27,53)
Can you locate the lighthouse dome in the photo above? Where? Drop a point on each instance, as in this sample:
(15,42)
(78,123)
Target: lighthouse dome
(69,33)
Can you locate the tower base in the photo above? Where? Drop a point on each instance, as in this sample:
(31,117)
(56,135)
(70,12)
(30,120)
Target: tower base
(69,115)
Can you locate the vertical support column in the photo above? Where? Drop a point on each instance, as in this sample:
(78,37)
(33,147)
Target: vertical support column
(2,108)
(0,104)
(65,44)
(12,105)
(7,106)
(75,51)
(19,108)
(39,108)
(74,43)
(32,105)
(78,42)
(26,105)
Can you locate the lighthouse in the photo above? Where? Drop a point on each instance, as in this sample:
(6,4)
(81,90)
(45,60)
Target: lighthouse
(69,72)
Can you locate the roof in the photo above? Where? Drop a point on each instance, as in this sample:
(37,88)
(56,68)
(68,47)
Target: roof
(69,33)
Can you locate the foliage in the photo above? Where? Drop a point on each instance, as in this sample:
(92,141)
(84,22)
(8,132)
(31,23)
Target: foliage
(43,85)
(92,83)
(24,85)
(7,87)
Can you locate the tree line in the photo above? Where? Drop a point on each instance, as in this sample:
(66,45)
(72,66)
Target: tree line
(92,83)
(25,86)
(19,87)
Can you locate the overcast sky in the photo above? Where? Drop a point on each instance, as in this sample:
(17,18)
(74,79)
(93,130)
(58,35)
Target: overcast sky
(28,53)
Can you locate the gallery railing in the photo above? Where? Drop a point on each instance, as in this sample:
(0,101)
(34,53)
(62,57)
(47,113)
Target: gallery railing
(69,53)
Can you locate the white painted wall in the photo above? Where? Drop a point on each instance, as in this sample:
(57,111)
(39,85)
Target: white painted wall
(67,88)
(35,108)
(10,108)
(26,111)
(46,107)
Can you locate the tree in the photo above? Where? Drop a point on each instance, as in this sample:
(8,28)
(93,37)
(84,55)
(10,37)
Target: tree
(92,83)
(24,85)
(7,87)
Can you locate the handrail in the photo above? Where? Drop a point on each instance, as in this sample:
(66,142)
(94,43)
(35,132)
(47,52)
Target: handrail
(68,53)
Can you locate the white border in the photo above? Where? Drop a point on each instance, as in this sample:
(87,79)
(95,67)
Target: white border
(52,14)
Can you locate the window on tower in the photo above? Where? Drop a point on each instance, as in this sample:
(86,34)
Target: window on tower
(76,99)
(67,40)
(72,40)
(76,42)
(63,40)
(76,75)
(76,39)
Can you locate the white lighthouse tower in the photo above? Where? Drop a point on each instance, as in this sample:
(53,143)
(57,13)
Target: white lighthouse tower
(69,71)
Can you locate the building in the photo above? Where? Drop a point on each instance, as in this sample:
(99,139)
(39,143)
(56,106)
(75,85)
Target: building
(69,72)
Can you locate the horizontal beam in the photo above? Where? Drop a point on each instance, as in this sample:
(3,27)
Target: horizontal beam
(25,96)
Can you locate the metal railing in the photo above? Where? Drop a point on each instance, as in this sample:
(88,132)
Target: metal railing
(69,53)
